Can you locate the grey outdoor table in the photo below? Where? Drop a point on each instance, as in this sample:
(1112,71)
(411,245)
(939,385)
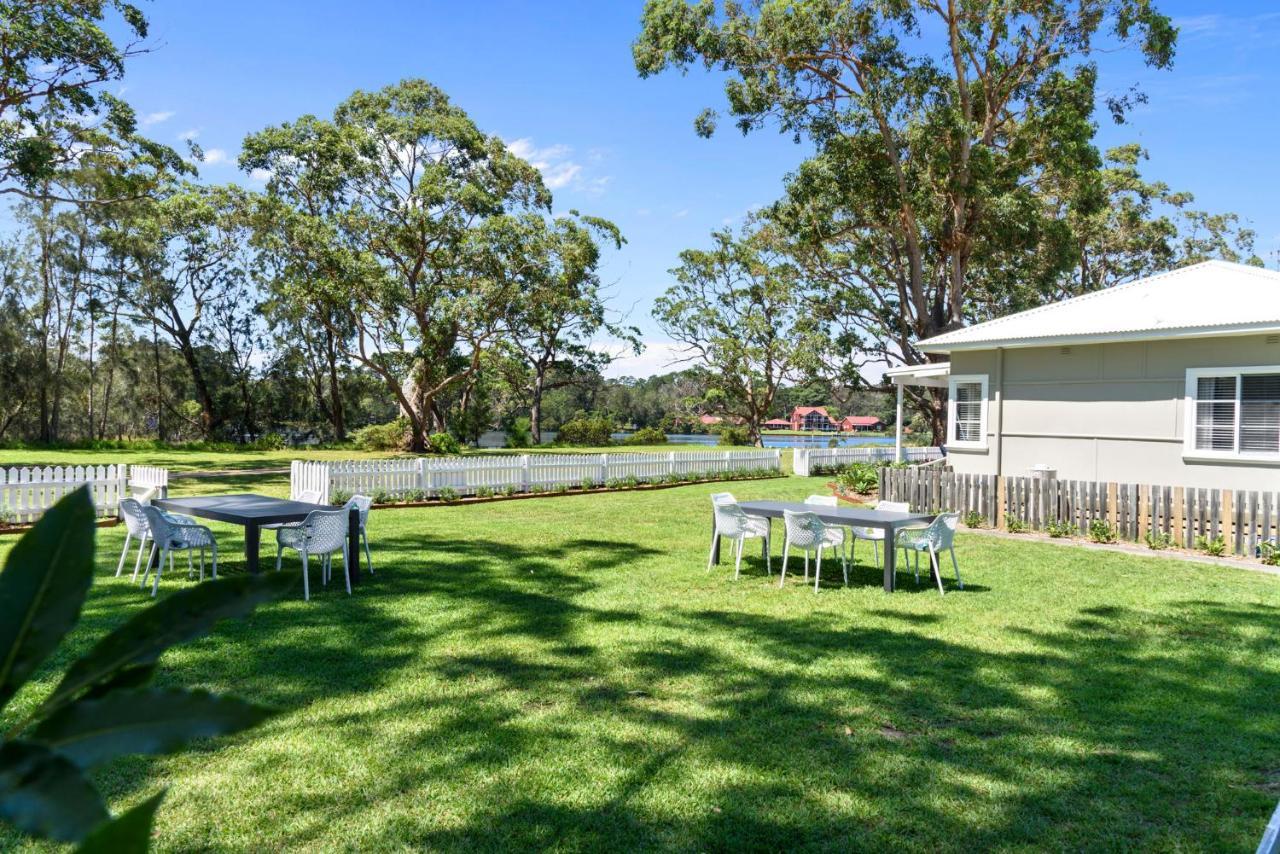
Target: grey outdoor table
(884,520)
(253,511)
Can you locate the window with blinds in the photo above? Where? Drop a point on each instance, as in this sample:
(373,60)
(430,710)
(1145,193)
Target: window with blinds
(1237,412)
(967,411)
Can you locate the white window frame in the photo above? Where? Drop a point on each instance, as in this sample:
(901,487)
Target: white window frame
(952,382)
(1189,449)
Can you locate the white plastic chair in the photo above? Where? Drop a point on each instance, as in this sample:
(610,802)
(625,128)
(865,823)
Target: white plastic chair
(170,534)
(806,532)
(306,496)
(733,524)
(322,533)
(135,522)
(938,537)
(875,535)
(835,536)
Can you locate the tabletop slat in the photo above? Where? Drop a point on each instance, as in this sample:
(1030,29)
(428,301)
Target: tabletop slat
(882,519)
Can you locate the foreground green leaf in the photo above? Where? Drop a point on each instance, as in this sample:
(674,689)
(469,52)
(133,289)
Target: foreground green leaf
(46,795)
(42,588)
(186,614)
(127,833)
(93,731)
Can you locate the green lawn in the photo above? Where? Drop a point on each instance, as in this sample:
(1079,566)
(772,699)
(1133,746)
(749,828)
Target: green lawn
(562,672)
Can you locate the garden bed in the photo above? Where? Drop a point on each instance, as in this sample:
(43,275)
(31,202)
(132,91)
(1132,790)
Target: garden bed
(5,528)
(554,493)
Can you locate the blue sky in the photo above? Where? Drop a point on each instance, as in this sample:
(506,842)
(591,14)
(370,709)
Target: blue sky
(555,79)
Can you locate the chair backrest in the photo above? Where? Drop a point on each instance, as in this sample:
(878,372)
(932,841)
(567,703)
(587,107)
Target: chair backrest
(361,503)
(941,533)
(894,506)
(804,529)
(325,530)
(308,496)
(821,500)
(723,498)
(161,528)
(135,520)
(731,521)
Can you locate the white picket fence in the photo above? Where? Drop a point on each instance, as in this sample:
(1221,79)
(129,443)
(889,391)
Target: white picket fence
(468,475)
(25,493)
(812,459)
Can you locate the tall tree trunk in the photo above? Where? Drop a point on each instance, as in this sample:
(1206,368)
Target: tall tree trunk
(155,345)
(208,420)
(336,410)
(535,403)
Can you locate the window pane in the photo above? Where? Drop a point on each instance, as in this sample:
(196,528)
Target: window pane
(1260,414)
(1215,426)
(968,412)
(1216,388)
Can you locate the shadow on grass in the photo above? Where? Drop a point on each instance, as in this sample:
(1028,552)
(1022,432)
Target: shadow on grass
(712,728)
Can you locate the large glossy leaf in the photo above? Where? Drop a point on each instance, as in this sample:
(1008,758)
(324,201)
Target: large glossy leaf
(127,833)
(182,616)
(92,731)
(42,588)
(45,794)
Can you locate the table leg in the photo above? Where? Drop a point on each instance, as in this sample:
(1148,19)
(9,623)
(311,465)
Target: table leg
(890,562)
(353,545)
(252,536)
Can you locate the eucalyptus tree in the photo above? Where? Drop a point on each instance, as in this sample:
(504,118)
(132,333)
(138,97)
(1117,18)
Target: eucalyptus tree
(189,258)
(936,126)
(741,310)
(563,308)
(403,216)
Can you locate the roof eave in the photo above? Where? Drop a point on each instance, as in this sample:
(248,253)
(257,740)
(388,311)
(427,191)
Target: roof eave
(929,345)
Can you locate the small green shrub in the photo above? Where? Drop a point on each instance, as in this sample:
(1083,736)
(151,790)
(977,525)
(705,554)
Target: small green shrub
(586,483)
(733,436)
(1059,528)
(382,497)
(587,430)
(560,488)
(1100,531)
(1014,525)
(269,442)
(1158,540)
(613,483)
(510,489)
(1269,553)
(1216,546)
(339,497)
(443,443)
(647,436)
(861,478)
(484,492)
(536,489)
(974,519)
(382,437)
(631,481)
(520,433)
(414,496)
(447,494)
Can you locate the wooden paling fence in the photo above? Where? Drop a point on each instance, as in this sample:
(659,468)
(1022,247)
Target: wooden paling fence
(470,474)
(1243,519)
(26,492)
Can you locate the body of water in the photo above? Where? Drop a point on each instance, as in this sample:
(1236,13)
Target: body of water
(497,439)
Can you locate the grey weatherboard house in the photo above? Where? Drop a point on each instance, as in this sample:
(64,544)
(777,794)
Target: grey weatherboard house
(1172,379)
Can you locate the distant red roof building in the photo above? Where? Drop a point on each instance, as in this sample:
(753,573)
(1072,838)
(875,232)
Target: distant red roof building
(709,419)
(777,424)
(851,423)
(811,418)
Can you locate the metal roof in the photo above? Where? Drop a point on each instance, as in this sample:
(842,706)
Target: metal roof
(1210,298)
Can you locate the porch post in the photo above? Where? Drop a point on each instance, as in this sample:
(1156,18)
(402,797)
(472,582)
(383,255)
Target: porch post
(897,428)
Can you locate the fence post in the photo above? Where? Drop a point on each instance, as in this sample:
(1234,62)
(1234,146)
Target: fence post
(604,468)
(671,463)
(524,472)
(800,462)
(777,460)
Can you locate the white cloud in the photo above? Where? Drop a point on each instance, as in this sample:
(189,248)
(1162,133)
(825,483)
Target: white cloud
(681,214)
(558,167)
(188,135)
(657,357)
(215,157)
(156,118)
(260,174)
